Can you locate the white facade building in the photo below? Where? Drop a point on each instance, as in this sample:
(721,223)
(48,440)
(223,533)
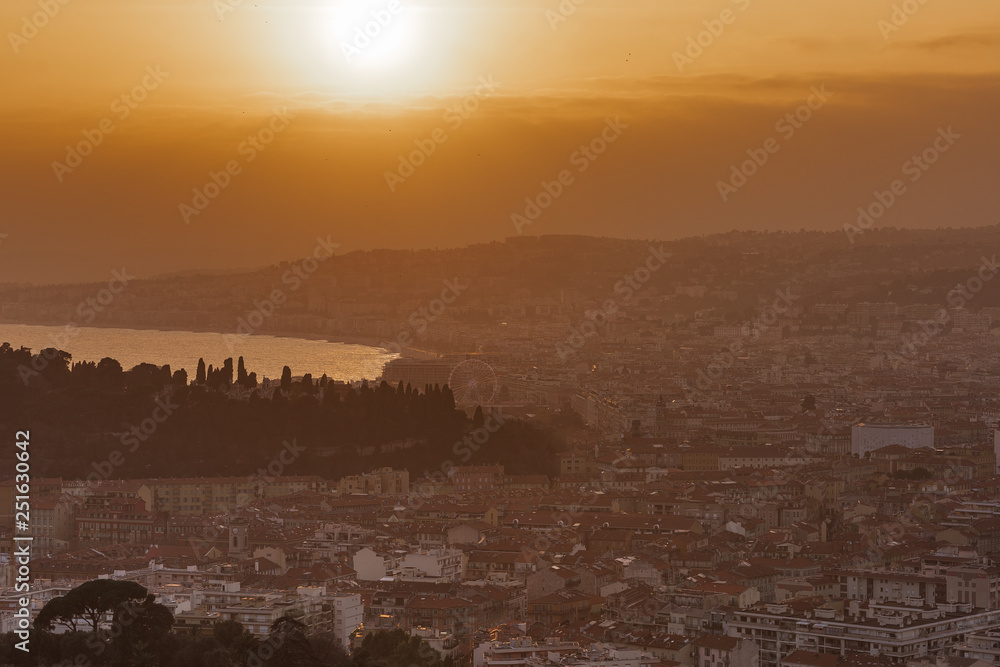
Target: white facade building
(348,613)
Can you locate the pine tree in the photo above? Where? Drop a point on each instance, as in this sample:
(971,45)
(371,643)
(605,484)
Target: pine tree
(199,377)
(241,373)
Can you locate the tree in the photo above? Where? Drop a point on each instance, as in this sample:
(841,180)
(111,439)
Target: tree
(144,379)
(236,639)
(142,627)
(228,632)
(89,601)
(202,652)
(241,373)
(110,374)
(200,377)
(290,646)
(330,651)
(58,610)
(396,648)
(808,403)
(286,378)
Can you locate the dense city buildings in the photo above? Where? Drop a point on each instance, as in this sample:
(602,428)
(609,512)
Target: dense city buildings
(799,487)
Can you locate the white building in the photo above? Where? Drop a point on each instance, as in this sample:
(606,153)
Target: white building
(983,646)
(348,613)
(869,437)
(901,632)
(372,565)
(443,564)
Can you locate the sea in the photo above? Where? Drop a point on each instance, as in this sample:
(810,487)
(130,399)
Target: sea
(264,355)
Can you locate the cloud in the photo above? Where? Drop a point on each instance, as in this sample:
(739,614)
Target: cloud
(968,41)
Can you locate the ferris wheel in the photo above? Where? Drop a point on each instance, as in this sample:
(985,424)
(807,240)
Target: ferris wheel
(473,382)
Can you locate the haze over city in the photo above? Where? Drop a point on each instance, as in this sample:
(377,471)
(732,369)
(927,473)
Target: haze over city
(560,70)
(500,333)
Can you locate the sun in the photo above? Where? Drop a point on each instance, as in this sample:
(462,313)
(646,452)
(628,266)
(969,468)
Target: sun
(392,51)
(375,36)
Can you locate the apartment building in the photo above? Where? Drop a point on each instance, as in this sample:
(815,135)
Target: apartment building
(438,564)
(256,611)
(384,480)
(897,631)
(201,495)
(722,651)
(517,652)
(983,646)
(478,478)
(348,615)
(53,522)
(123,520)
(891,586)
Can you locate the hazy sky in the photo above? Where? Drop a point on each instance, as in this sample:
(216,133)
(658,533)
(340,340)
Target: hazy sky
(199,79)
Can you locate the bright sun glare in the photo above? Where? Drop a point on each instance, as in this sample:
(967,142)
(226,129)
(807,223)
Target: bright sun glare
(374,37)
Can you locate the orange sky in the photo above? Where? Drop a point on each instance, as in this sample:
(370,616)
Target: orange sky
(212,73)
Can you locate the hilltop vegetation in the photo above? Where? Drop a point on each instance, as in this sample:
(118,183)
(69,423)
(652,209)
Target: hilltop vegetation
(80,414)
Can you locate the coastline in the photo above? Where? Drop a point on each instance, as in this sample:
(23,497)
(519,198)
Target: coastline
(367,341)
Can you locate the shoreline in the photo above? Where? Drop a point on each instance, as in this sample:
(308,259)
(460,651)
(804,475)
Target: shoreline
(366,341)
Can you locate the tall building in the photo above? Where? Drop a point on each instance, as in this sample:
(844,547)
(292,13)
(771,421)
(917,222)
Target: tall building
(239,539)
(348,613)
